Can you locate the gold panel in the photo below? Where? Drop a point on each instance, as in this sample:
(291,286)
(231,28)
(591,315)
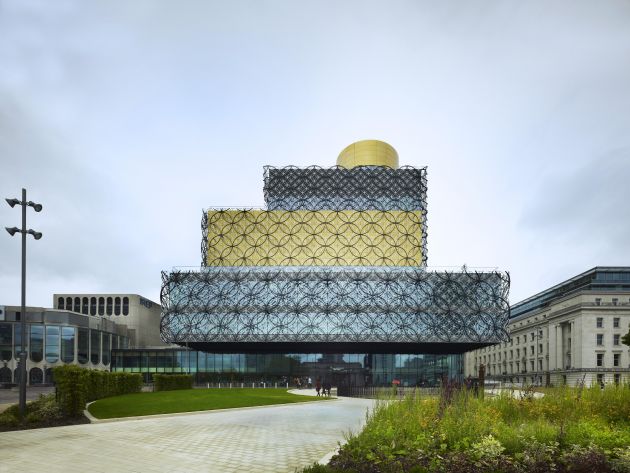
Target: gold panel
(368,153)
(314,238)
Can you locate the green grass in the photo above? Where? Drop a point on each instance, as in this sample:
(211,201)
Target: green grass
(190,400)
(571,428)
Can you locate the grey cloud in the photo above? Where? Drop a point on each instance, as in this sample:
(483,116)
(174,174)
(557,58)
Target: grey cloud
(587,206)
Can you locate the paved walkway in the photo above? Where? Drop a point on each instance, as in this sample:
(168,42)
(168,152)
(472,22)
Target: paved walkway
(274,439)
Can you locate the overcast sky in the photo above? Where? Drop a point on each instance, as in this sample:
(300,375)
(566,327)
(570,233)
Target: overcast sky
(125,119)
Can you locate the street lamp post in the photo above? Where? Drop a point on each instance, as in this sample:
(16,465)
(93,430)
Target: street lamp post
(37,235)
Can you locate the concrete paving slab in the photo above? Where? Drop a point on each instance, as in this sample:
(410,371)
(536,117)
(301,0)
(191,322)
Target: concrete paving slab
(276,439)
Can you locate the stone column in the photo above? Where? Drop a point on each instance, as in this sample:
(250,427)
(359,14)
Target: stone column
(576,344)
(559,349)
(573,349)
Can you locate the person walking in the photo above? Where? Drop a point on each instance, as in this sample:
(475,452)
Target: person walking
(318,386)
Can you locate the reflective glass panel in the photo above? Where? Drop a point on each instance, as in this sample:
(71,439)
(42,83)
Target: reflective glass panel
(37,343)
(67,344)
(52,343)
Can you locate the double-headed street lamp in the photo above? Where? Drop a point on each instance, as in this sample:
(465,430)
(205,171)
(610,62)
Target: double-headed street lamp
(37,235)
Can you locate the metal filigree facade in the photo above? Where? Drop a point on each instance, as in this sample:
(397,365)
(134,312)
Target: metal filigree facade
(337,188)
(361,304)
(337,257)
(313,238)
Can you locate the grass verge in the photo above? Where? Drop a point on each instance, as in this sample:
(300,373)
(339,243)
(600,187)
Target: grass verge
(190,400)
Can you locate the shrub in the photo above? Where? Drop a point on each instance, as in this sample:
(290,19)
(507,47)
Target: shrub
(71,386)
(76,386)
(44,410)
(172,382)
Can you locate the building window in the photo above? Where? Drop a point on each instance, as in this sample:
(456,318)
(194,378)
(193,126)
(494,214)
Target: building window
(617,378)
(101,306)
(6,342)
(85,308)
(600,322)
(600,379)
(52,343)
(67,344)
(18,340)
(531,350)
(106,348)
(600,359)
(37,343)
(532,337)
(531,363)
(83,345)
(598,301)
(518,340)
(540,348)
(616,339)
(600,339)
(518,352)
(68,303)
(615,301)
(109,306)
(95,346)
(616,322)
(60,303)
(77,305)
(125,306)
(92,305)
(5,375)
(540,367)
(616,359)
(36,376)
(117,306)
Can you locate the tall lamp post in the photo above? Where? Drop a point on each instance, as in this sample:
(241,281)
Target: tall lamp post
(37,235)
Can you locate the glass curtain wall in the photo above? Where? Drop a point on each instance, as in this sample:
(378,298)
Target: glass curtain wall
(37,343)
(355,369)
(95,346)
(83,345)
(52,343)
(6,342)
(67,344)
(106,348)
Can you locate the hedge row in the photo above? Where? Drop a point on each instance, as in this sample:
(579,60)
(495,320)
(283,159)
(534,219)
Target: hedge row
(77,386)
(171,382)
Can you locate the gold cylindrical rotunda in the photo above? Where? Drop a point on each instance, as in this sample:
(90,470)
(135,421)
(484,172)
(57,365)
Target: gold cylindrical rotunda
(368,153)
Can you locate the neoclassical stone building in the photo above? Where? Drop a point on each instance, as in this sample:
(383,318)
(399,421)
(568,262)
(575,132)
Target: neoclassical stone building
(569,333)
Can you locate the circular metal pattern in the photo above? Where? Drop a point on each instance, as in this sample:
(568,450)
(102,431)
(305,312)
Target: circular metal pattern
(313,238)
(317,304)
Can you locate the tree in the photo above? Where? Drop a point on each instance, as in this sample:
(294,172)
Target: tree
(626,338)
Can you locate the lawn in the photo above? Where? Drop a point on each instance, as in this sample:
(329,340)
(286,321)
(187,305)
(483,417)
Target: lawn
(190,400)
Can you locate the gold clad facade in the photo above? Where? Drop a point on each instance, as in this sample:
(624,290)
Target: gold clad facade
(368,153)
(314,238)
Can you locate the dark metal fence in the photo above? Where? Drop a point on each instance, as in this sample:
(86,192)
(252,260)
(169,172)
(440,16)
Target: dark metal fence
(376,392)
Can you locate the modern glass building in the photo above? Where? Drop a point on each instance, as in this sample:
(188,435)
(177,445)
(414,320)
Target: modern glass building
(55,338)
(329,281)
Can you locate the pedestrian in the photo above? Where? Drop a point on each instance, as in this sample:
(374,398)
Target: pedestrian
(310,383)
(318,386)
